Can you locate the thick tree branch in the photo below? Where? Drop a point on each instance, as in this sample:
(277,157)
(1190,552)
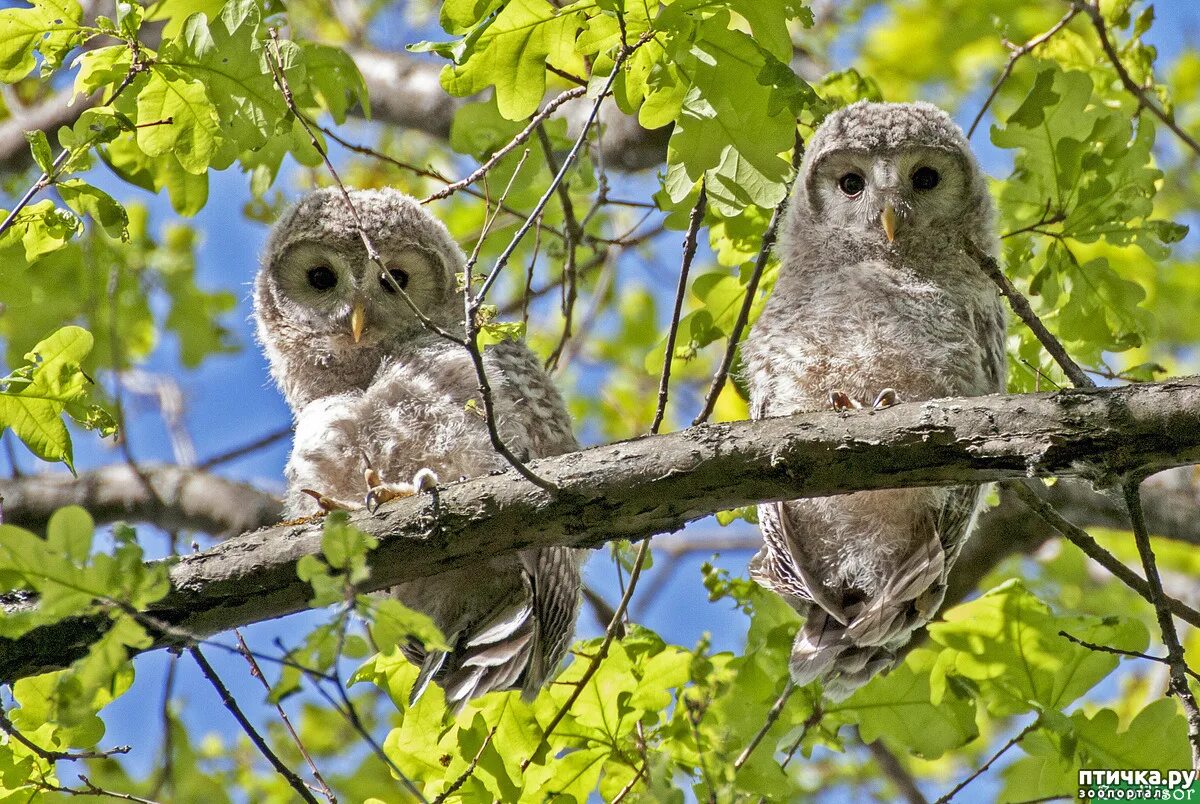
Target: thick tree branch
(191,499)
(649,485)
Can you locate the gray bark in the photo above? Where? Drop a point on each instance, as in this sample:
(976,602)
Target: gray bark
(649,485)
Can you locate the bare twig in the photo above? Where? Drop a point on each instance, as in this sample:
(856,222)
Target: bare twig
(534,125)
(502,260)
(1143,99)
(1083,540)
(760,264)
(262,442)
(1133,654)
(983,768)
(90,789)
(894,770)
(689,253)
(1013,57)
(768,722)
(575,235)
(1175,658)
(51,755)
(248,727)
(257,672)
(466,774)
(1021,307)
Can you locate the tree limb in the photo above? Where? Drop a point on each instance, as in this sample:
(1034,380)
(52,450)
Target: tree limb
(191,499)
(649,485)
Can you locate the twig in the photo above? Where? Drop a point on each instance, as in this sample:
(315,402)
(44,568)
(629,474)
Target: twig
(1127,81)
(534,125)
(1133,654)
(760,264)
(51,755)
(772,716)
(689,253)
(262,442)
(1021,307)
(983,768)
(892,768)
(248,727)
(466,774)
(1083,540)
(695,711)
(90,789)
(502,260)
(1014,56)
(599,655)
(137,65)
(628,788)
(1175,659)
(575,234)
(813,719)
(257,672)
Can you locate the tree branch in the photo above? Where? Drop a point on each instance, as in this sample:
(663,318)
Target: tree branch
(192,499)
(654,484)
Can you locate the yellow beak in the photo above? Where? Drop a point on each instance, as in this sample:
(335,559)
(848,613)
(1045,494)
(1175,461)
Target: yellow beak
(888,219)
(358,318)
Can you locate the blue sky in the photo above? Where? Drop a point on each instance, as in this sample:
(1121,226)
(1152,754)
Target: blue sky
(230,399)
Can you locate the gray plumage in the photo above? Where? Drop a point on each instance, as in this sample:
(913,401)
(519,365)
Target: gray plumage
(375,389)
(855,312)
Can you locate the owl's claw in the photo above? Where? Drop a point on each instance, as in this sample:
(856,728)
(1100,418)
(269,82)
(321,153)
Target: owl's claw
(381,492)
(841,401)
(329,503)
(887,397)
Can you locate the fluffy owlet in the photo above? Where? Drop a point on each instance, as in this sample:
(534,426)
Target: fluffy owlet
(875,303)
(378,400)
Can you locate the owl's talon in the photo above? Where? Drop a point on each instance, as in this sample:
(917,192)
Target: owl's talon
(887,397)
(841,401)
(329,503)
(381,492)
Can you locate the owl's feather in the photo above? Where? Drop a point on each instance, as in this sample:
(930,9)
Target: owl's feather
(403,400)
(856,312)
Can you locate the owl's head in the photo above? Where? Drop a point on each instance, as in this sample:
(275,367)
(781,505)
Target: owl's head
(891,172)
(317,279)
(321,303)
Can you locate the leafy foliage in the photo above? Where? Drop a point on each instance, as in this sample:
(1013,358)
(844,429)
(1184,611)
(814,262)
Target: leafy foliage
(1094,195)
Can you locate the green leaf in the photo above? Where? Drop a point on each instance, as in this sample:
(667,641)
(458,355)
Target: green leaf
(177,116)
(227,57)
(899,706)
(334,80)
(40,147)
(33,399)
(84,199)
(393,623)
(512,54)
(1008,643)
(50,27)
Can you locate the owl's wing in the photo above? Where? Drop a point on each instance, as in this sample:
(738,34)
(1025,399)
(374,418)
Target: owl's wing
(780,564)
(915,593)
(540,422)
(992,328)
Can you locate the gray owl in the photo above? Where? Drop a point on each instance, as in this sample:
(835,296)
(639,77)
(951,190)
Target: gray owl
(378,399)
(875,303)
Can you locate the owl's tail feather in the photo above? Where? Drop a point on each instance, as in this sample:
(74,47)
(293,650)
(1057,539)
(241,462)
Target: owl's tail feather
(824,650)
(489,658)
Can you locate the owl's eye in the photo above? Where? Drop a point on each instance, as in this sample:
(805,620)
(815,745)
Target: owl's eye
(322,277)
(400,276)
(852,184)
(925,178)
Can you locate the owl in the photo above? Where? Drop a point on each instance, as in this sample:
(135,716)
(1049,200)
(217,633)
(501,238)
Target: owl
(384,407)
(875,303)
